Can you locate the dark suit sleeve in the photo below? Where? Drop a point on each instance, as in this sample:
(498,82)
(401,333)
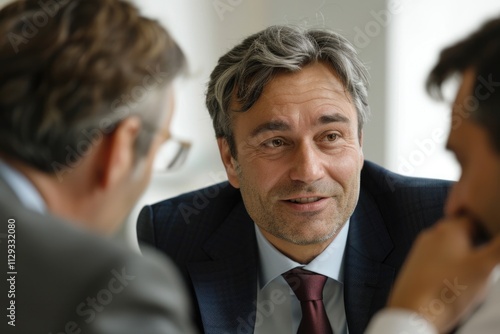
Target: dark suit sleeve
(145,227)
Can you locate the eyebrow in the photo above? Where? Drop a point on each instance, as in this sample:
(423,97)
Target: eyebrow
(332,118)
(283,126)
(270,126)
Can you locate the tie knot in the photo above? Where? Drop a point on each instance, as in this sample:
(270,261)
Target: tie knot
(305,284)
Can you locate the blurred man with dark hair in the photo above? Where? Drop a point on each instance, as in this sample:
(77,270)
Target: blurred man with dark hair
(450,266)
(85,103)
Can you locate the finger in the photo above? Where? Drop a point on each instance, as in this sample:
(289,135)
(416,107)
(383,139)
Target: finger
(490,253)
(454,228)
(464,224)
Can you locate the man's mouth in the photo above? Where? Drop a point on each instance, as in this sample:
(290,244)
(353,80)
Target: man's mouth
(305,200)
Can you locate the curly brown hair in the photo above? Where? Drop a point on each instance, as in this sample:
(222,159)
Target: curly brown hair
(67,66)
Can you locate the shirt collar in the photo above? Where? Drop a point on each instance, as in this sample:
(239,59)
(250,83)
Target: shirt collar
(25,191)
(329,263)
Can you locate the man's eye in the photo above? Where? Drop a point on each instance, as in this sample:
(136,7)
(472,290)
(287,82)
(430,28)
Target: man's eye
(276,142)
(332,136)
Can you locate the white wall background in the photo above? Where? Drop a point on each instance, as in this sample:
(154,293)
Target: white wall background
(417,125)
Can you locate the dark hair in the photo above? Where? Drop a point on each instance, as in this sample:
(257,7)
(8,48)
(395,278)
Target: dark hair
(68,67)
(480,52)
(244,71)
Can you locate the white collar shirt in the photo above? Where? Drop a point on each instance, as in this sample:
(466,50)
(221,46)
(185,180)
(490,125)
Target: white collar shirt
(26,192)
(277,308)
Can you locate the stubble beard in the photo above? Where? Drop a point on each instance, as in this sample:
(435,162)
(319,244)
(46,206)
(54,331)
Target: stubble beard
(274,223)
(280,228)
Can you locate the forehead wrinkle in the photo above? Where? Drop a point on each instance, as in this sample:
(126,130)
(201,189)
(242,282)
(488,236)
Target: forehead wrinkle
(325,93)
(324,118)
(282,125)
(321,103)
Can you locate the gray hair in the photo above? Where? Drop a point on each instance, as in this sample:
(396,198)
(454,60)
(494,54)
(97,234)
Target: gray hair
(249,66)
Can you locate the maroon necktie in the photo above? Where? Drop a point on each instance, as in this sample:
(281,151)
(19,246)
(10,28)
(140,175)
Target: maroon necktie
(308,287)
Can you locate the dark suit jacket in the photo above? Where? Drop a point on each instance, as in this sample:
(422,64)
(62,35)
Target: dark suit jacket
(62,272)
(210,236)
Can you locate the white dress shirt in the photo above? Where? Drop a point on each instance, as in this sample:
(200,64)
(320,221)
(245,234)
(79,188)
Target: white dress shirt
(23,188)
(278,309)
(486,320)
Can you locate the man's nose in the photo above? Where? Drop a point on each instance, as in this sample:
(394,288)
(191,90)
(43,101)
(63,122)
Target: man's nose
(307,163)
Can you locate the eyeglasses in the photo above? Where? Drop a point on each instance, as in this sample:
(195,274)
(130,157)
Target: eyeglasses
(171,155)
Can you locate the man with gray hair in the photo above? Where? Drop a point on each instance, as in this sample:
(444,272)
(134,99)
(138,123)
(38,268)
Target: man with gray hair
(306,237)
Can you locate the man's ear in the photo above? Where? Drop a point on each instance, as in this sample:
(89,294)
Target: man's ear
(228,161)
(361,153)
(119,153)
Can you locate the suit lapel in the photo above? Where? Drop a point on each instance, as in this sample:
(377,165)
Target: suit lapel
(367,279)
(226,286)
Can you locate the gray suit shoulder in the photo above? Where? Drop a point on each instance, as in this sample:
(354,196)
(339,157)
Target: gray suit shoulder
(69,280)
